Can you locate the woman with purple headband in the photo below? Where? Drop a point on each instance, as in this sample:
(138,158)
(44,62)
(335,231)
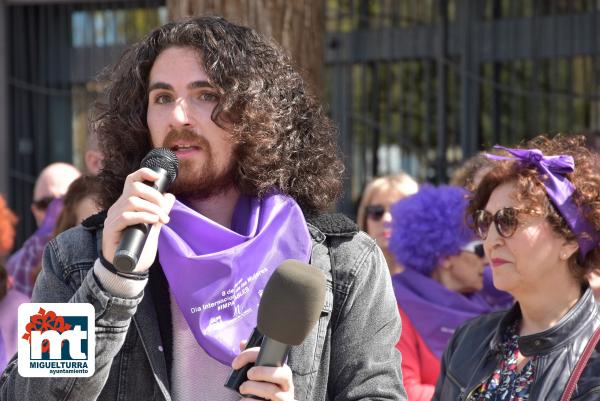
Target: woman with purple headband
(538,212)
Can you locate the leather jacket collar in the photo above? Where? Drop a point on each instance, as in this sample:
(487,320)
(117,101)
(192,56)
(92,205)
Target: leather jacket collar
(548,340)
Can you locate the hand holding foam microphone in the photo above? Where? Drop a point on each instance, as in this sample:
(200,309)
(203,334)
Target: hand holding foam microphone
(290,306)
(165,163)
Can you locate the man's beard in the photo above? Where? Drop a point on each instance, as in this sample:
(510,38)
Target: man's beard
(200,181)
(203,182)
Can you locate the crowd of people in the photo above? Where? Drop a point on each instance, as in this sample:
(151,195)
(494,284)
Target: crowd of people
(478,290)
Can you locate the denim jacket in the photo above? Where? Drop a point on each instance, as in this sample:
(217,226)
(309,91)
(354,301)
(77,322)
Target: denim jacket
(349,355)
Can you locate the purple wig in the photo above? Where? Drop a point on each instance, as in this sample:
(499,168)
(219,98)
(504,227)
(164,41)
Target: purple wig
(429,226)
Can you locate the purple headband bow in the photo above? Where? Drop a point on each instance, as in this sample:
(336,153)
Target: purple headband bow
(560,191)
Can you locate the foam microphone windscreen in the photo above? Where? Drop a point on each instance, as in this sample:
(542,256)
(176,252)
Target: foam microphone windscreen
(292,302)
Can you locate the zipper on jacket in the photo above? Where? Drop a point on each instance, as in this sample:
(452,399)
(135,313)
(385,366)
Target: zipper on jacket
(479,382)
(463,390)
(470,393)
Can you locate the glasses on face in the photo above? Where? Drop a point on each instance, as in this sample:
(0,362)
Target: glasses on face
(475,247)
(43,203)
(375,212)
(506,221)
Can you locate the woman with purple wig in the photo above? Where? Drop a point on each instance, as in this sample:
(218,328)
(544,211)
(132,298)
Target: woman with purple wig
(538,212)
(439,288)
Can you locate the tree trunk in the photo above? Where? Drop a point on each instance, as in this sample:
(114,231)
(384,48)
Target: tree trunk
(297,25)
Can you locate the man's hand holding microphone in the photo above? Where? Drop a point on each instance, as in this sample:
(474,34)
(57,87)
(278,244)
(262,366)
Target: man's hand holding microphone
(133,222)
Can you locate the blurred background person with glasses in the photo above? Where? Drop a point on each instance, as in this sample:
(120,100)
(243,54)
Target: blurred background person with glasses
(538,212)
(374,215)
(438,290)
(51,184)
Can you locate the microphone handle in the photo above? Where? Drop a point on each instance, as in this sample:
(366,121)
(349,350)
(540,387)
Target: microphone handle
(134,237)
(130,247)
(237,377)
(272,353)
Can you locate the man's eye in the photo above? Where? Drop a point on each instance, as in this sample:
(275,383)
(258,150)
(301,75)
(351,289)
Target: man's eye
(162,99)
(208,97)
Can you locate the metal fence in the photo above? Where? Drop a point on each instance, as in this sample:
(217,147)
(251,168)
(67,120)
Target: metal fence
(420,85)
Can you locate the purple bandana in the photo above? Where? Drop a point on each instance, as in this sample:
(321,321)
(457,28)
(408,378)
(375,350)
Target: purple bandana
(560,191)
(434,310)
(217,275)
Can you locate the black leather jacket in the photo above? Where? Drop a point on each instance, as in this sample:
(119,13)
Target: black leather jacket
(473,354)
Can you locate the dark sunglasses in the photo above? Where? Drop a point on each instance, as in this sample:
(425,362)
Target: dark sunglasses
(475,247)
(375,212)
(506,221)
(43,203)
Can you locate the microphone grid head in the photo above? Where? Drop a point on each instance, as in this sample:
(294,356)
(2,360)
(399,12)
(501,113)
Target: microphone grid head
(165,159)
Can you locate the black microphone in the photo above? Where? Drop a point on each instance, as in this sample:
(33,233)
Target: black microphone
(165,163)
(289,308)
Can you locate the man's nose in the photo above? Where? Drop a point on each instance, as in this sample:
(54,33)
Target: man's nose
(181,114)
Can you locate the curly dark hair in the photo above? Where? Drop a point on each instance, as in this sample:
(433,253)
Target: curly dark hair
(531,193)
(283,138)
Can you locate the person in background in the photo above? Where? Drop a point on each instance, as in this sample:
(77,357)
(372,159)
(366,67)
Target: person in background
(52,183)
(10,299)
(79,203)
(374,215)
(538,212)
(8,221)
(438,290)
(93,157)
(468,176)
(471,171)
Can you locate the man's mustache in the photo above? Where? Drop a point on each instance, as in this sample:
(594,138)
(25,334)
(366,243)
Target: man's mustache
(185,135)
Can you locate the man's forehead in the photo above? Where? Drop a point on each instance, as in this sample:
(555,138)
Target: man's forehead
(172,61)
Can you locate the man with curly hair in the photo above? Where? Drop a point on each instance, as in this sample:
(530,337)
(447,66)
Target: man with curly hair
(258,168)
